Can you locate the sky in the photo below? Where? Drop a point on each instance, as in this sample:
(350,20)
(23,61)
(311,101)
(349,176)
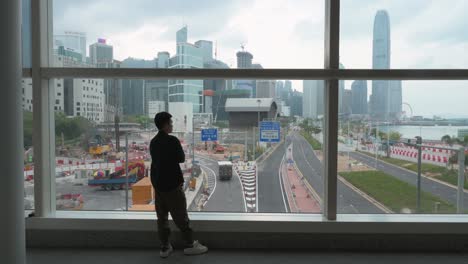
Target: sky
(290,34)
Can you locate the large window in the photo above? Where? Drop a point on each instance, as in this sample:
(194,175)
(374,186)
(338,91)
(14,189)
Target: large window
(182,57)
(236,172)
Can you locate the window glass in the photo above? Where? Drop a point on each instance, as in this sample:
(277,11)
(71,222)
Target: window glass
(190,34)
(235,172)
(399,34)
(380,123)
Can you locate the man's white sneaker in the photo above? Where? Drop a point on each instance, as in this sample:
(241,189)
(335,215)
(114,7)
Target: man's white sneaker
(196,249)
(166,251)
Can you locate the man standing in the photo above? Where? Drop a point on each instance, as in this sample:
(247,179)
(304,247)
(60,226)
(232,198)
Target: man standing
(167,179)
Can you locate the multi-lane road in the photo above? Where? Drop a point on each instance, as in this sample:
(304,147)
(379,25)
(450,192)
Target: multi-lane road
(271,197)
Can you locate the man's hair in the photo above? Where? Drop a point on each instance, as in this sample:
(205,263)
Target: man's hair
(161,119)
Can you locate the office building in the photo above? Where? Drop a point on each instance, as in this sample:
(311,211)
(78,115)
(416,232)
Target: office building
(386,95)
(100,52)
(313,98)
(188,56)
(295,102)
(359,97)
(244,60)
(265,89)
(72,40)
(85,97)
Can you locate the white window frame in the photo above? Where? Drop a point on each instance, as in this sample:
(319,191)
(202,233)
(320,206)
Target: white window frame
(42,73)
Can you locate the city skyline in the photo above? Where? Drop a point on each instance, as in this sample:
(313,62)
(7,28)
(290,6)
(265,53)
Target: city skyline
(413,46)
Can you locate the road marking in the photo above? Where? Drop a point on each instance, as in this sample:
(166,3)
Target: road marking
(281,184)
(352,187)
(242,190)
(366,196)
(214,188)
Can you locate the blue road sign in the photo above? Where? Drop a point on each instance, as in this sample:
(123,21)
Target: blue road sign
(270,131)
(210,134)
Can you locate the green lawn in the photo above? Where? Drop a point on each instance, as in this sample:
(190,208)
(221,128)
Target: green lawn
(395,194)
(316,145)
(437,172)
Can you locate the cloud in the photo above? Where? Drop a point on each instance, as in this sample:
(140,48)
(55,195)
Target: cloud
(108,18)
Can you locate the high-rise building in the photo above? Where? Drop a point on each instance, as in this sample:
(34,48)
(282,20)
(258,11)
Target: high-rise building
(395,99)
(359,97)
(265,89)
(296,103)
(84,97)
(341,92)
(72,40)
(206,48)
(133,91)
(386,95)
(347,101)
(100,52)
(162,60)
(244,60)
(155,91)
(279,89)
(313,98)
(187,56)
(182,35)
(112,93)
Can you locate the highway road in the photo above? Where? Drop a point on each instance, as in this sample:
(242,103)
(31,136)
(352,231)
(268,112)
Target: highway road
(227,196)
(349,201)
(270,193)
(438,189)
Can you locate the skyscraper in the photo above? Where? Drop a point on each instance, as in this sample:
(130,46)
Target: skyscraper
(341,93)
(296,103)
(265,89)
(313,97)
(386,95)
(72,40)
(100,52)
(244,60)
(187,56)
(359,97)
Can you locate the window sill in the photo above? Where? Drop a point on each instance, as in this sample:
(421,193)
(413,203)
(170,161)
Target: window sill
(261,222)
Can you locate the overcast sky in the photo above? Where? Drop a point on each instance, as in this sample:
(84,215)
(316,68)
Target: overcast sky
(289,34)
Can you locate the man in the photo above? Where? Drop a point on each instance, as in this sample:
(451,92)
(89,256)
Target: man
(167,179)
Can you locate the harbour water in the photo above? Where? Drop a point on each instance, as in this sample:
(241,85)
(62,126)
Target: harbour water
(426,132)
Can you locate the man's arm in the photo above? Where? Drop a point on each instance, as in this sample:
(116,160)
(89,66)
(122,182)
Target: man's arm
(179,152)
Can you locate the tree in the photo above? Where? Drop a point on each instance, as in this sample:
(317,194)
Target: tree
(447,140)
(395,136)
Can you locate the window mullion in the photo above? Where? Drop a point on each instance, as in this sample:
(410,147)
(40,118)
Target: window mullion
(332,55)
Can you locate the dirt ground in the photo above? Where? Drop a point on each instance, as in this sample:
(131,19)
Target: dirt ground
(345,164)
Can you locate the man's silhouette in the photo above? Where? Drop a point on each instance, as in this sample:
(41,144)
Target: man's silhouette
(167,179)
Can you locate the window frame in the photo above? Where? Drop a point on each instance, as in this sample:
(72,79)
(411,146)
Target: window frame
(43,94)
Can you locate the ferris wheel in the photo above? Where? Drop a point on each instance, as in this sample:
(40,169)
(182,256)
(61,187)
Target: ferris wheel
(406,110)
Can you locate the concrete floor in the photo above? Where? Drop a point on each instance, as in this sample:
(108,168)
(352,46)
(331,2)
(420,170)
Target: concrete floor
(120,256)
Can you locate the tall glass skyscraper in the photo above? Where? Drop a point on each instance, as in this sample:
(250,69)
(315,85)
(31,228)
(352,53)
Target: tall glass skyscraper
(359,97)
(386,95)
(187,56)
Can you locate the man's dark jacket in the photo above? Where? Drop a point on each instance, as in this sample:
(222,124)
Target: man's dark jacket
(166,154)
